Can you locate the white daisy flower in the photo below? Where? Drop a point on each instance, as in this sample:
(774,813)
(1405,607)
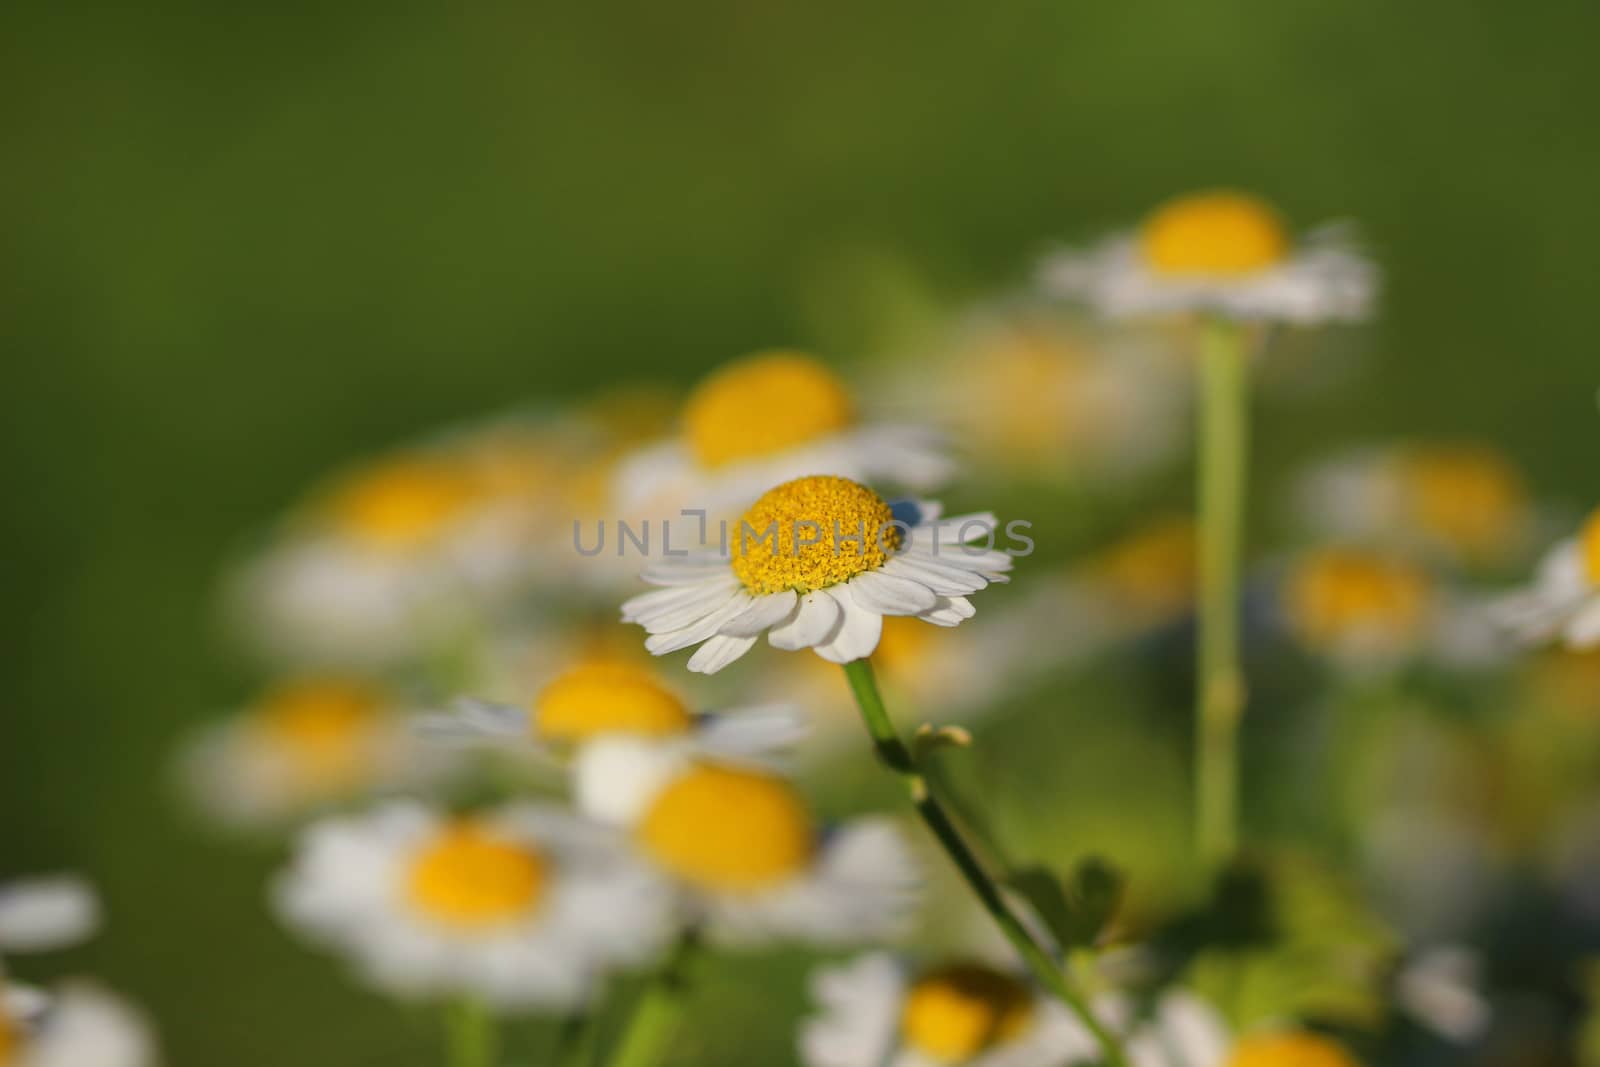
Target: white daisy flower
(875,1012)
(47,913)
(1363,610)
(1223,253)
(1178,1030)
(1564,601)
(751,863)
(305,744)
(79,1026)
(1032,395)
(766,419)
(1464,503)
(817,563)
(610,698)
(523,906)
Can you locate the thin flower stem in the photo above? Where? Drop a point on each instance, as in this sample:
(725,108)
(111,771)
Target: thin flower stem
(1220,690)
(655,1017)
(471,1034)
(894,754)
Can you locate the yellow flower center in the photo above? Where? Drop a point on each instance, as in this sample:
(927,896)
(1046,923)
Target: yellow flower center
(405,503)
(763,404)
(1153,571)
(794,536)
(729,829)
(1590,542)
(1337,593)
(1213,234)
(322,725)
(469,878)
(608,696)
(10,1038)
(1289,1050)
(1469,498)
(955,1013)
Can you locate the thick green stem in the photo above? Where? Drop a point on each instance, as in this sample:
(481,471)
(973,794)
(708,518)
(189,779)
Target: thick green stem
(1220,690)
(470,1031)
(894,754)
(655,1017)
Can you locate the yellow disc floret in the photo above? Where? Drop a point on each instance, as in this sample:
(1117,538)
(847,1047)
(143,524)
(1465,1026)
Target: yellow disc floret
(1338,594)
(608,696)
(1589,543)
(729,829)
(404,503)
(957,1012)
(468,876)
(322,725)
(1213,234)
(763,404)
(795,536)
(1293,1049)
(1467,498)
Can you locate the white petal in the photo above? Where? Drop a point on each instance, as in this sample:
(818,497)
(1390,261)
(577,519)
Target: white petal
(1584,629)
(813,622)
(950,611)
(42,914)
(858,633)
(660,644)
(671,609)
(937,575)
(754,731)
(764,612)
(887,594)
(718,652)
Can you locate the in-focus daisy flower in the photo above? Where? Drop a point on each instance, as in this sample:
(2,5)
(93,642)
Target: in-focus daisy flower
(817,563)
(766,419)
(751,861)
(1564,600)
(523,906)
(1358,608)
(1033,396)
(79,1025)
(1465,503)
(46,913)
(874,1011)
(304,744)
(1222,253)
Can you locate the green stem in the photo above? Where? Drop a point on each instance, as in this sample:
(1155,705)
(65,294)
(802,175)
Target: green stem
(1220,692)
(894,754)
(655,1017)
(471,1035)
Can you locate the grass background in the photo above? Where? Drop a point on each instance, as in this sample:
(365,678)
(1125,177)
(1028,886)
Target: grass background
(240,242)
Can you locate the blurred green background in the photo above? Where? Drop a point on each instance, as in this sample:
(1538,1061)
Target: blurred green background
(241,244)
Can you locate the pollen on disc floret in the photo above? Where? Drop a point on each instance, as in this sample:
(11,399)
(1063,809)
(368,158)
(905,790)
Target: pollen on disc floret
(812,533)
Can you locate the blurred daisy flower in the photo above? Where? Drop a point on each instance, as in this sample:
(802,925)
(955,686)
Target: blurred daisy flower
(607,697)
(1464,503)
(765,419)
(751,862)
(1035,396)
(1564,600)
(1223,253)
(80,1025)
(523,906)
(817,563)
(1358,608)
(876,1012)
(42,914)
(1288,1048)
(305,744)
